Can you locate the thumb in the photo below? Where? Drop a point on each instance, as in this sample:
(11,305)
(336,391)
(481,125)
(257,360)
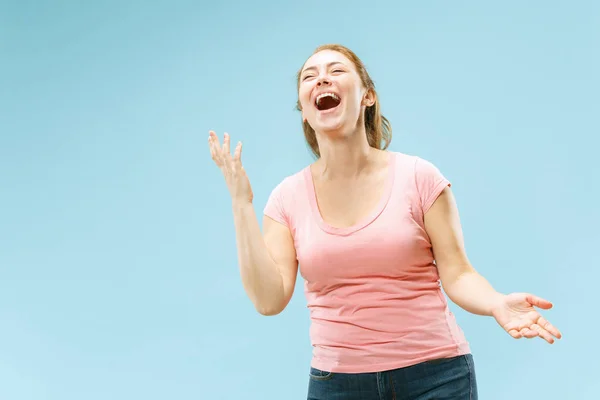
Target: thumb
(538,302)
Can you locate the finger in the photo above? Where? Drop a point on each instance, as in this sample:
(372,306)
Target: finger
(226,150)
(213,137)
(520,323)
(215,149)
(237,156)
(210,148)
(538,302)
(515,333)
(544,334)
(543,322)
(528,333)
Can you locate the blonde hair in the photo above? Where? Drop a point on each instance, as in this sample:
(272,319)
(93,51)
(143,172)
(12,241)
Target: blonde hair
(379,129)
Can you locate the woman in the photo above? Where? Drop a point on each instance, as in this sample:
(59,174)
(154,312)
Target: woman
(374,233)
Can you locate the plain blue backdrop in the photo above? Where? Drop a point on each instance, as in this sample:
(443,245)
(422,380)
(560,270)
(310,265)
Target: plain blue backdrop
(118,270)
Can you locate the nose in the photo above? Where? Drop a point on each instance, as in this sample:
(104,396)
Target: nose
(323,81)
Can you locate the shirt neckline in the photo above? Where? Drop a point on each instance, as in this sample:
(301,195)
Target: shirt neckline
(379,208)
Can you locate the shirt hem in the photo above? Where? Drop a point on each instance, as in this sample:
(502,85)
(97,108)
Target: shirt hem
(370,368)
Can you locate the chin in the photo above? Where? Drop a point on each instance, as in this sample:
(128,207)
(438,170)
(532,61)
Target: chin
(330,123)
(330,128)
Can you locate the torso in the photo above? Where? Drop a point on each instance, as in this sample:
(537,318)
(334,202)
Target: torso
(371,284)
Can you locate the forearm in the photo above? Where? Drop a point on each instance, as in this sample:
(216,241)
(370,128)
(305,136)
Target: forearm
(472,292)
(261,278)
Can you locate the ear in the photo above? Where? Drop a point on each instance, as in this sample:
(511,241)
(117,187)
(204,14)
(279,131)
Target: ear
(369,98)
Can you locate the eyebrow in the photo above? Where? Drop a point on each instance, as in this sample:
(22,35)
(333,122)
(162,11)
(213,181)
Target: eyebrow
(328,66)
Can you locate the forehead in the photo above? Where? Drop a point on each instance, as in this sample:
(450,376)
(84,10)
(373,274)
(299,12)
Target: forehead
(325,57)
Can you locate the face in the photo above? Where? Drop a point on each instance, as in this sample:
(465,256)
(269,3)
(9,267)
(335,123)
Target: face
(331,93)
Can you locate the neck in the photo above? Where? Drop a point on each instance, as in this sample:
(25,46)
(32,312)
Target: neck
(344,155)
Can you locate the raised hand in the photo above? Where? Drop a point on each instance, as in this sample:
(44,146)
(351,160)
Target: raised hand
(517,315)
(231,166)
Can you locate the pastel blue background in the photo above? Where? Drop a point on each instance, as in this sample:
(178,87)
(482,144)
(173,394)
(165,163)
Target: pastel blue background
(118,274)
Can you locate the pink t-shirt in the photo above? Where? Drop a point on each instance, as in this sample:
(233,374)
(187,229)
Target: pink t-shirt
(372,289)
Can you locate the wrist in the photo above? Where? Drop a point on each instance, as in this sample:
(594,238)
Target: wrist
(241,205)
(496,302)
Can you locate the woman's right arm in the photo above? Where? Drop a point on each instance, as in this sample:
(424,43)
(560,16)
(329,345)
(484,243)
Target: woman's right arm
(268,264)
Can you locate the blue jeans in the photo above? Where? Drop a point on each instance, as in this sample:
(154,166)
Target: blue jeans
(444,379)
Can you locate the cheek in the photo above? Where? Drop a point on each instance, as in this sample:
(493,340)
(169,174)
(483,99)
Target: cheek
(304,101)
(354,100)
(352,92)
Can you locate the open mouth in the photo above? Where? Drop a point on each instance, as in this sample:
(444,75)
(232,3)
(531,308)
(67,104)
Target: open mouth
(327,101)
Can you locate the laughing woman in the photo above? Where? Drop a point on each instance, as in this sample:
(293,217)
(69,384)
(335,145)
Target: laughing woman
(374,233)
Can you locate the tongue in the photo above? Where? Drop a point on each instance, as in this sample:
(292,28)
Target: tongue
(327,103)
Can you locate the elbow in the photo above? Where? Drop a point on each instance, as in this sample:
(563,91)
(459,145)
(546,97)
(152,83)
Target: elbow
(270,303)
(269,311)
(449,280)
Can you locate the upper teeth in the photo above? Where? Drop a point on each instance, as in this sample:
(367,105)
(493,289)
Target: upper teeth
(319,97)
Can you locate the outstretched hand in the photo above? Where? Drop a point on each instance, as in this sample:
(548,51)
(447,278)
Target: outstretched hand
(516,313)
(231,167)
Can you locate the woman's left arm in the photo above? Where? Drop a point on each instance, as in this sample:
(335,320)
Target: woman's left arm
(471,291)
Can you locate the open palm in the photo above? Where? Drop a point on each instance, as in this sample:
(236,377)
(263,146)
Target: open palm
(518,316)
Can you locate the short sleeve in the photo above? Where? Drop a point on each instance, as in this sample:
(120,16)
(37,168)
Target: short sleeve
(275,207)
(430,183)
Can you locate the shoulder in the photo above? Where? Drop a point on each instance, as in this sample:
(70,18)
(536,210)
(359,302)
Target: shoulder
(413,164)
(292,183)
(422,179)
(290,188)
(283,202)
